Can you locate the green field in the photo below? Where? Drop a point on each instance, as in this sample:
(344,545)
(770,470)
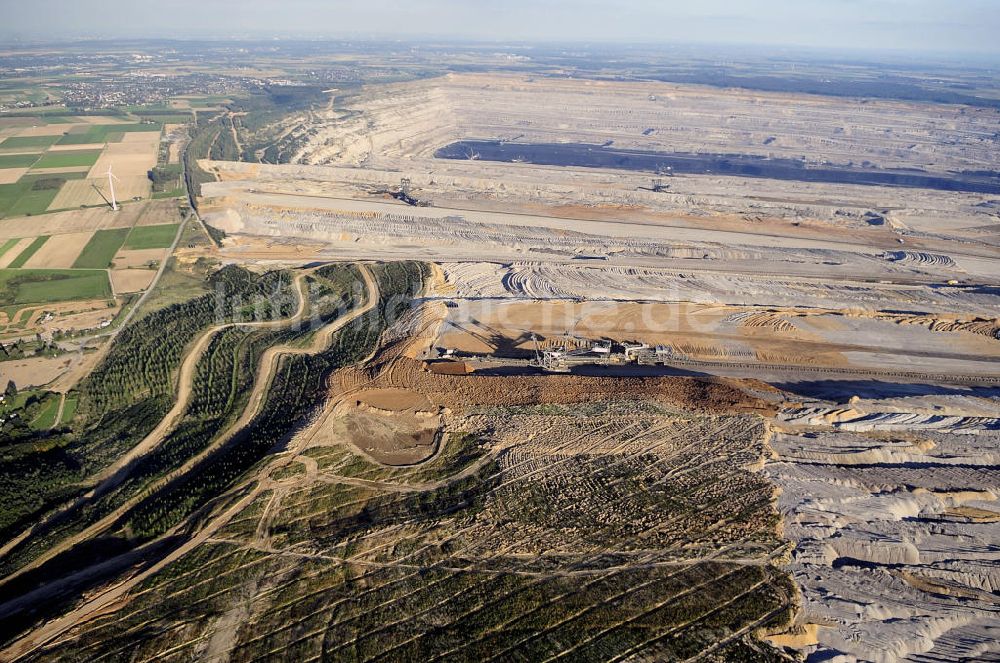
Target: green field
(33,193)
(38,286)
(101,248)
(150,109)
(168,116)
(17,160)
(54,115)
(68,159)
(103,133)
(173,193)
(26,254)
(9,193)
(34,201)
(39,181)
(46,419)
(17,402)
(209,101)
(164,113)
(48,115)
(28,141)
(151,237)
(69,410)
(40,414)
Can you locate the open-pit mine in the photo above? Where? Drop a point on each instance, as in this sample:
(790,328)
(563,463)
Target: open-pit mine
(837,260)
(648,372)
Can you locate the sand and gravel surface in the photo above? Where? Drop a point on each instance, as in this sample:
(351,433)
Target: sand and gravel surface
(131,280)
(138,257)
(34,372)
(894,539)
(97,218)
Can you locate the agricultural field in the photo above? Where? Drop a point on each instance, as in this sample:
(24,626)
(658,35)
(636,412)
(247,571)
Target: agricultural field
(21,142)
(15,92)
(67,159)
(29,251)
(35,200)
(126,281)
(62,162)
(201,102)
(69,409)
(101,249)
(79,274)
(47,417)
(104,133)
(44,370)
(33,193)
(60,252)
(17,160)
(167,178)
(8,245)
(151,237)
(36,286)
(35,408)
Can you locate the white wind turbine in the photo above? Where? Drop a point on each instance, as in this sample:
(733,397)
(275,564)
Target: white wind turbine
(111,183)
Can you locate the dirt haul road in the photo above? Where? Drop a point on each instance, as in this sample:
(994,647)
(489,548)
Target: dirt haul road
(267,367)
(129,457)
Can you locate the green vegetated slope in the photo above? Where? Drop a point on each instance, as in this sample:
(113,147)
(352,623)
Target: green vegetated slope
(124,398)
(649,541)
(222,385)
(297,388)
(204,134)
(256,119)
(101,248)
(129,392)
(224,378)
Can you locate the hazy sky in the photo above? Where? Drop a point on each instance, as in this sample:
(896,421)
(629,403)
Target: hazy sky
(959,26)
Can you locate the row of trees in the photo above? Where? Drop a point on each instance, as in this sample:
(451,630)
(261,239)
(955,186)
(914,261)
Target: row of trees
(20,349)
(120,402)
(298,387)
